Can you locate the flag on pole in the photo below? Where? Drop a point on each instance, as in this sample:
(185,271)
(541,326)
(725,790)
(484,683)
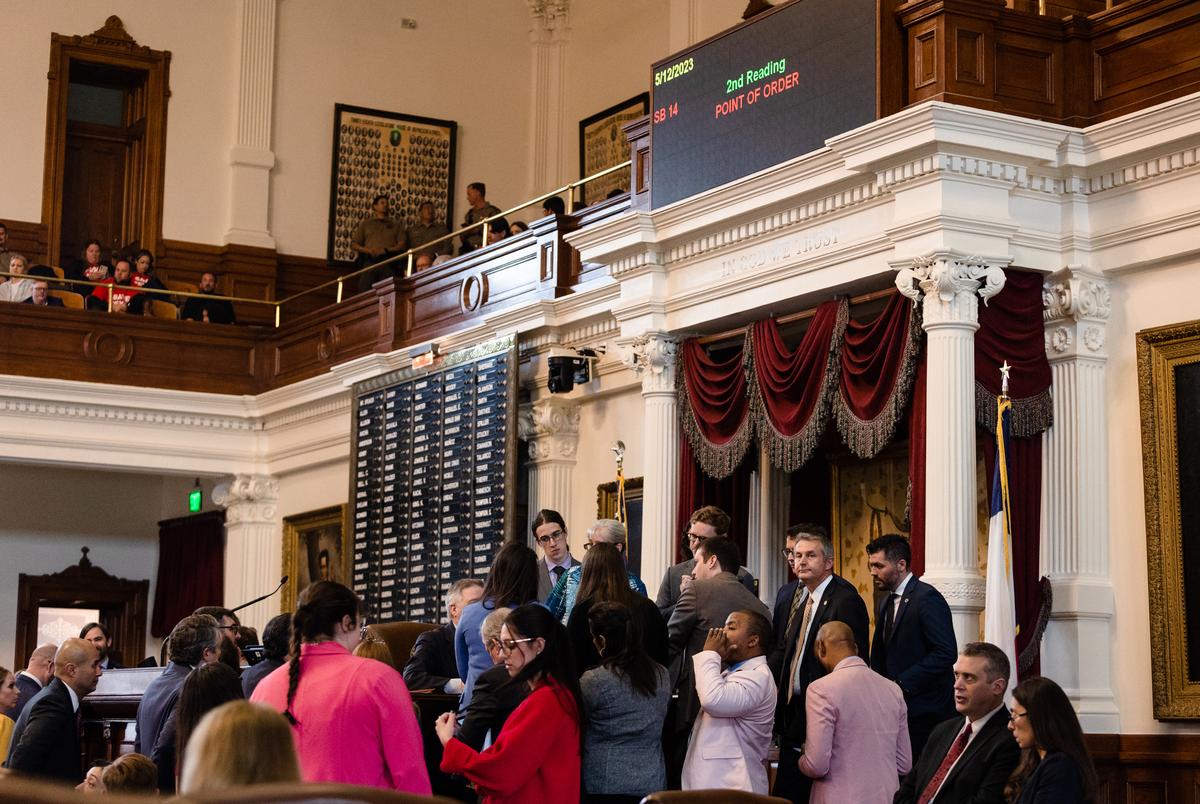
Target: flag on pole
(1000,612)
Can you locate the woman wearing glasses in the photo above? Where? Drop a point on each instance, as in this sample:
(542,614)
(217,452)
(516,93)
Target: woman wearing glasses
(352,718)
(1055,766)
(536,757)
(511,582)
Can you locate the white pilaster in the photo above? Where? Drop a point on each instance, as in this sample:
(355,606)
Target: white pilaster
(251,157)
(652,356)
(1076,649)
(773,509)
(551,428)
(949,289)
(253,544)
(547,142)
(683,24)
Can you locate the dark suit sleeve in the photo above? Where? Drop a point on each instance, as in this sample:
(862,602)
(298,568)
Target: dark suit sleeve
(941,649)
(42,736)
(1055,782)
(924,765)
(851,610)
(1000,764)
(163,753)
(426,667)
(666,597)
(682,623)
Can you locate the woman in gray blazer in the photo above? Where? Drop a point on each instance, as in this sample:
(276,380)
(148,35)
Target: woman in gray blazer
(626,699)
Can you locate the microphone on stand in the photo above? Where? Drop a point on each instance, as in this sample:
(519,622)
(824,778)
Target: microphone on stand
(282,581)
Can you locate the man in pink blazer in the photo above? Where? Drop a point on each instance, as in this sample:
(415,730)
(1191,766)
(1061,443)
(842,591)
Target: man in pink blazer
(857,740)
(729,743)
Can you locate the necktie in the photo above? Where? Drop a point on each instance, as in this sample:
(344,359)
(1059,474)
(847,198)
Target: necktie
(558,571)
(795,668)
(956,749)
(797,596)
(889,616)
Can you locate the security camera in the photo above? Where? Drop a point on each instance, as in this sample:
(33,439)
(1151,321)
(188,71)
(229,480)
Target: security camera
(568,368)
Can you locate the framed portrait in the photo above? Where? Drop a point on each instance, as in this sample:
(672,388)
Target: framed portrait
(602,144)
(1169,389)
(408,158)
(606,508)
(315,548)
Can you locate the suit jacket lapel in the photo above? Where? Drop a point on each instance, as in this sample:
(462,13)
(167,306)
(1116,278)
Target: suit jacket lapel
(905,603)
(976,745)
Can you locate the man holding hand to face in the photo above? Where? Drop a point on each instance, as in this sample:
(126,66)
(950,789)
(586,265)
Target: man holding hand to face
(732,735)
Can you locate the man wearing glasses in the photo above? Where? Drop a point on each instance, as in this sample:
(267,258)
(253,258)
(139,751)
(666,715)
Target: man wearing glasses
(227,623)
(706,523)
(550,532)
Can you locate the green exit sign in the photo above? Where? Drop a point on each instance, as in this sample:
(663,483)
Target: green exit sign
(195,498)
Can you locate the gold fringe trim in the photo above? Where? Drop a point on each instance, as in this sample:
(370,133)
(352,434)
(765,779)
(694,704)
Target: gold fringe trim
(789,453)
(866,438)
(716,460)
(1030,416)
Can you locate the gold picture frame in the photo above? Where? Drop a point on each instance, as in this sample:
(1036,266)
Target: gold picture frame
(307,539)
(1169,388)
(602,144)
(606,508)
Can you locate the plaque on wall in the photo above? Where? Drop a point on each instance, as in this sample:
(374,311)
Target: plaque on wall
(434,453)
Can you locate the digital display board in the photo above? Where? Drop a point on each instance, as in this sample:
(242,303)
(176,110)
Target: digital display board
(759,94)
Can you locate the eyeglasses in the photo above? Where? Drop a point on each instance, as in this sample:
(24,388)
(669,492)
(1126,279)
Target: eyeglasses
(694,536)
(1015,716)
(787,554)
(551,537)
(590,545)
(509,645)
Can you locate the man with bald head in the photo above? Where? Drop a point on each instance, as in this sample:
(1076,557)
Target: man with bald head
(45,741)
(857,745)
(33,678)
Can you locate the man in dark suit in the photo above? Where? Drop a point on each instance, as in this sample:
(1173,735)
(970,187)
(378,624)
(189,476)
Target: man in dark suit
(706,523)
(45,741)
(41,296)
(33,678)
(968,758)
(550,532)
(98,635)
(705,603)
(277,641)
(193,642)
(431,665)
(914,643)
(787,599)
(826,597)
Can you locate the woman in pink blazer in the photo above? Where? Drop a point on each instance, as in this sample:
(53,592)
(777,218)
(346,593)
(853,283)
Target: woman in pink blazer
(352,718)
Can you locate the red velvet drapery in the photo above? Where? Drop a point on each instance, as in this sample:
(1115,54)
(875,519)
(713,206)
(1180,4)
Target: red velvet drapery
(191,568)
(791,390)
(730,493)
(714,407)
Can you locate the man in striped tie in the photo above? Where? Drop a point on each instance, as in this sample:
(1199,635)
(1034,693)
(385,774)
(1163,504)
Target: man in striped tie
(969,757)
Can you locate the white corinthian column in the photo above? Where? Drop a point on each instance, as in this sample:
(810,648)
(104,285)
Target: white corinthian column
(1074,550)
(949,290)
(253,544)
(551,428)
(652,356)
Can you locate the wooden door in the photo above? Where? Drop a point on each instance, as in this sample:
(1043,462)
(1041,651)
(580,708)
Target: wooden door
(94,182)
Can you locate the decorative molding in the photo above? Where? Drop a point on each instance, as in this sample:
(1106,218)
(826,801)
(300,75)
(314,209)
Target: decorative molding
(248,499)
(950,287)
(652,358)
(1077,304)
(550,16)
(964,592)
(551,426)
(47,408)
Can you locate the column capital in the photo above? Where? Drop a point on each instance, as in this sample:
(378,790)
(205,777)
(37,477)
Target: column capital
(248,498)
(551,21)
(1077,305)
(950,287)
(652,358)
(551,427)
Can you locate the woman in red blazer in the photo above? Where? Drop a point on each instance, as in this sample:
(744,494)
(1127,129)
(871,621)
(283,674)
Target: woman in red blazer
(536,757)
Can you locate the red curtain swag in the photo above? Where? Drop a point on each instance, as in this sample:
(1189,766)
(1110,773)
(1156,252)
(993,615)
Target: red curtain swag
(715,417)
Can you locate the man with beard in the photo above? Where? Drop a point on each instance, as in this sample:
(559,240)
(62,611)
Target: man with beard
(98,635)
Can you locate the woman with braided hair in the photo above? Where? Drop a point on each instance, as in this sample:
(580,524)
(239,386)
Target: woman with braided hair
(352,718)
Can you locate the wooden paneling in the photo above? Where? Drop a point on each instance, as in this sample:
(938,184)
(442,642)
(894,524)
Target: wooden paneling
(244,271)
(1147,768)
(296,274)
(28,239)
(1081,67)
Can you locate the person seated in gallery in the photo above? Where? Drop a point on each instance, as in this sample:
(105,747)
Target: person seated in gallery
(431,665)
(143,277)
(17,288)
(90,267)
(555,206)
(118,284)
(427,229)
(423,260)
(41,296)
(497,230)
(516,227)
(494,698)
(208,311)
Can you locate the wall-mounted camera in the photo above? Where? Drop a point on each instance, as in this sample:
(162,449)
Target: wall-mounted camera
(569,367)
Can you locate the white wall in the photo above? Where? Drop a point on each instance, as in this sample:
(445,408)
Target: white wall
(51,512)
(200,115)
(1150,298)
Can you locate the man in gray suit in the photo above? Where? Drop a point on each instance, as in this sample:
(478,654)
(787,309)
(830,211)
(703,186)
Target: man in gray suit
(550,532)
(706,523)
(705,603)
